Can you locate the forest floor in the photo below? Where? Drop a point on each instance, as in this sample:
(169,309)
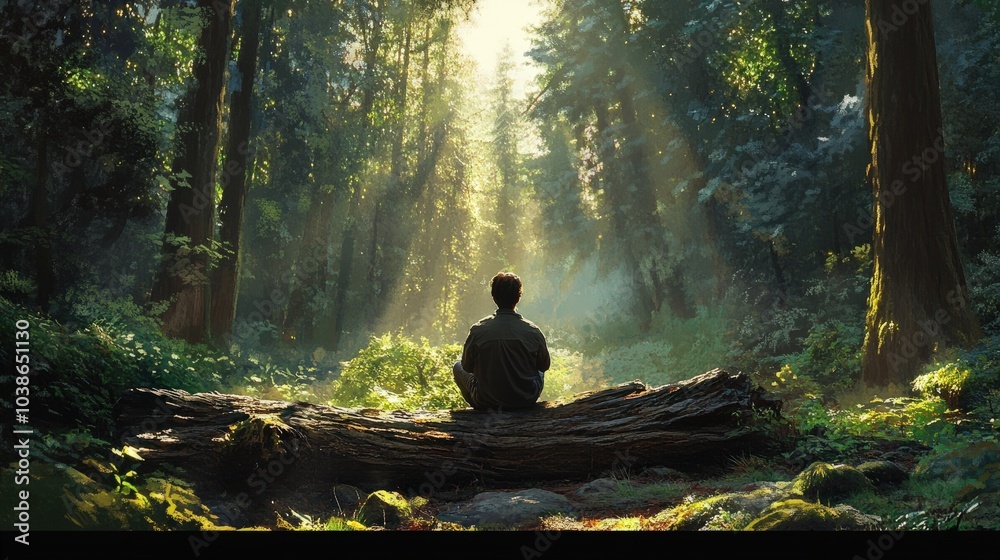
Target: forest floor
(616,501)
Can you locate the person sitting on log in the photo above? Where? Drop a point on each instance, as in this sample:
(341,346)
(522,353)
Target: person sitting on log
(505,358)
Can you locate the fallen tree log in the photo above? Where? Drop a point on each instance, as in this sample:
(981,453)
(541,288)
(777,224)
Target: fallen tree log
(690,424)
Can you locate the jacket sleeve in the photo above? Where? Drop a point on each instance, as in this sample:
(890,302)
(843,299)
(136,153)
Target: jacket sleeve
(544,362)
(469,354)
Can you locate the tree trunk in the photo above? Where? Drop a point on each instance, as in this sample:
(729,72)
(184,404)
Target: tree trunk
(310,264)
(239,158)
(183,277)
(382,264)
(214,437)
(646,302)
(350,234)
(918,298)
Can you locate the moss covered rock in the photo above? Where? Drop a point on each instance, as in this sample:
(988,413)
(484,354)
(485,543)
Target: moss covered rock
(883,473)
(734,506)
(385,509)
(64,498)
(799,515)
(507,509)
(826,482)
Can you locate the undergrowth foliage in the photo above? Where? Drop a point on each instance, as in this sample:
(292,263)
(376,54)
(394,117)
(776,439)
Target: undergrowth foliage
(79,370)
(396,372)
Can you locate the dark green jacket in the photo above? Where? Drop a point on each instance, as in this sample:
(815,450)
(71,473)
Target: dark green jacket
(507,354)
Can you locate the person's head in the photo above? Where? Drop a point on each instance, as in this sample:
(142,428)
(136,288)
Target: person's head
(505,288)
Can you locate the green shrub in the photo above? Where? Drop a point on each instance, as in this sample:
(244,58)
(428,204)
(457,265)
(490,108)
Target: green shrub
(78,373)
(923,419)
(980,396)
(571,373)
(258,375)
(970,382)
(831,356)
(790,387)
(946,382)
(16,287)
(673,350)
(396,372)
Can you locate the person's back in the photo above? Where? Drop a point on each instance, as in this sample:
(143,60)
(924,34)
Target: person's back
(505,355)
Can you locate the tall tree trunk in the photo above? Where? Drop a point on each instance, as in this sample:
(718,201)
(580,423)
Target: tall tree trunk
(351,228)
(384,231)
(239,160)
(310,264)
(919,298)
(664,286)
(505,154)
(425,66)
(183,278)
(646,302)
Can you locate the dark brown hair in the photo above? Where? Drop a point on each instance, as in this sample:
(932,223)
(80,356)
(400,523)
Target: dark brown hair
(505,288)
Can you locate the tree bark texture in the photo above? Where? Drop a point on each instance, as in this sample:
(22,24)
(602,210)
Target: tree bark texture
(183,280)
(918,298)
(697,422)
(239,161)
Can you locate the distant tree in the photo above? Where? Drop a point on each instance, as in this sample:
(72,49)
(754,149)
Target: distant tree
(183,279)
(506,125)
(236,173)
(918,298)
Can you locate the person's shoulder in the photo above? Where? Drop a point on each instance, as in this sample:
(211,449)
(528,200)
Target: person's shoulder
(531,324)
(483,321)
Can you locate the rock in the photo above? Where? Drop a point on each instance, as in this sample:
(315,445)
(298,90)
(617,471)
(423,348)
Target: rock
(826,482)
(985,516)
(385,509)
(883,473)
(799,515)
(347,498)
(695,516)
(601,486)
(979,464)
(507,508)
(664,472)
